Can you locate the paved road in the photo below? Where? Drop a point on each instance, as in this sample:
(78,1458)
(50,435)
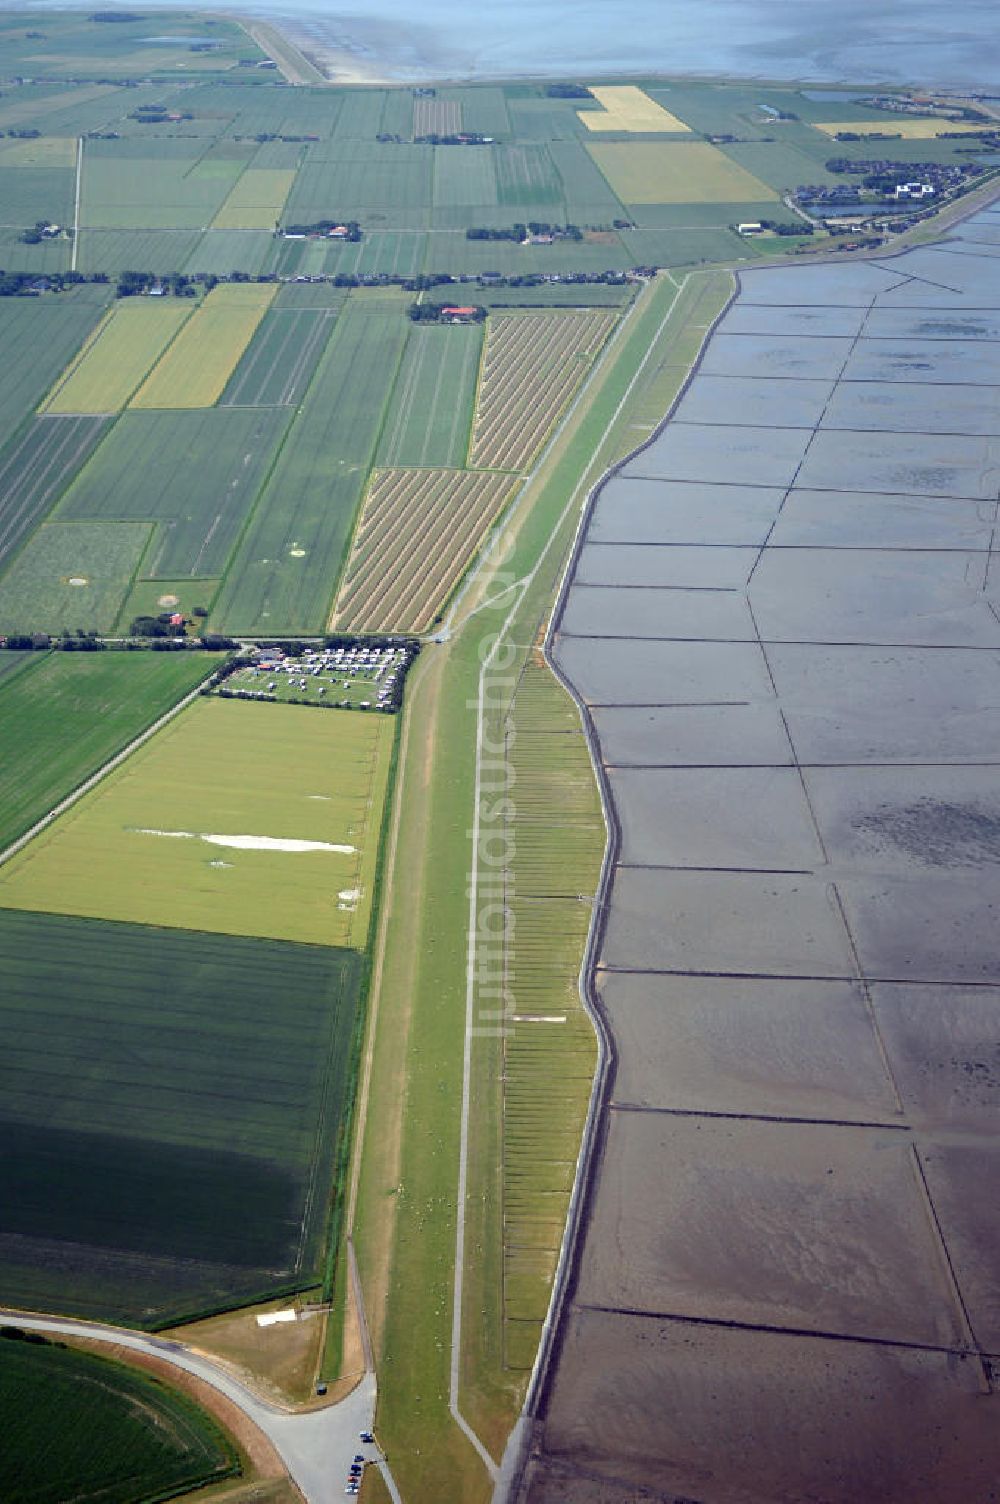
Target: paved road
(316,1446)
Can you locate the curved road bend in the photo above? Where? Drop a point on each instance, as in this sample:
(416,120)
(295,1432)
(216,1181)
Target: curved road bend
(316,1446)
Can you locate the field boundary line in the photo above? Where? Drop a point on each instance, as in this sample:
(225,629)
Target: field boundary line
(76,203)
(95,778)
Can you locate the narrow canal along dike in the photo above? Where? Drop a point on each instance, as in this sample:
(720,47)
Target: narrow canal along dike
(783,625)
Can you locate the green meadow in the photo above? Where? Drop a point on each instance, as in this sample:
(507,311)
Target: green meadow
(172,1111)
(277,835)
(64,714)
(84,1427)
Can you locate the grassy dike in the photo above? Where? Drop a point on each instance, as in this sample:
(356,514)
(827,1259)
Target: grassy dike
(406,1216)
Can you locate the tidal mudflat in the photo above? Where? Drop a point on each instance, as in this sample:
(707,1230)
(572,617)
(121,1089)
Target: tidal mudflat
(784,625)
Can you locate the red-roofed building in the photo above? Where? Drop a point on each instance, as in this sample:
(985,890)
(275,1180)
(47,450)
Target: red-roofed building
(459,313)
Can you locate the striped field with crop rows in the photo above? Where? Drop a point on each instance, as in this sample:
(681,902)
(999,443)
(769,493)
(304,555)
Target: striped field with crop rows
(532,365)
(417,533)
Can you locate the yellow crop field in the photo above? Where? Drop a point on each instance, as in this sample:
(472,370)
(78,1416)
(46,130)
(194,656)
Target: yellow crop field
(239,818)
(626,108)
(196,367)
(256,200)
(910,127)
(43,151)
(123,347)
(676,172)
(532,365)
(417,533)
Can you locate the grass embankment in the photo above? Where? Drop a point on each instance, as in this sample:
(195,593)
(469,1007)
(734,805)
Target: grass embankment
(406,1222)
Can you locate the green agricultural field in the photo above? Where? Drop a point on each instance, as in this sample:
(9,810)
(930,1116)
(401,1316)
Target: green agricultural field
(114,251)
(318,297)
(434,117)
(82,1427)
(278,364)
(527,176)
(464,178)
(106,698)
(195,368)
(43,151)
(30,193)
(219,253)
(682,246)
(285,569)
(155,192)
(676,172)
(35,469)
(453,253)
(589,196)
(360,117)
(13,660)
(484,108)
(76,46)
(706,216)
(544,295)
(256,200)
(784,164)
(38,338)
(151,597)
(172,1111)
(431,408)
(196,474)
(51,256)
(70,575)
(363,180)
(395,252)
(118,356)
(34,105)
(276,836)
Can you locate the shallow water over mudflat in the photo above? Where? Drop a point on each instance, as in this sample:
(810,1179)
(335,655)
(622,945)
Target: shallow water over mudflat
(786,634)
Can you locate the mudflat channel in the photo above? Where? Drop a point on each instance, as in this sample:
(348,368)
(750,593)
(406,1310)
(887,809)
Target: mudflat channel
(784,626)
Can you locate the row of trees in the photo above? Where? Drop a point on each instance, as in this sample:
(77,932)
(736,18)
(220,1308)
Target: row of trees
(520,232)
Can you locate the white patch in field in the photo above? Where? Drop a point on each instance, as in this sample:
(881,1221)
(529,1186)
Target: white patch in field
(297,553)
(271,1318)
(77,579)
(324,797)
(248,843)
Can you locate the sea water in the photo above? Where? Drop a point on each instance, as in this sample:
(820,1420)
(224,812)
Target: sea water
(895,41)
(820,41)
